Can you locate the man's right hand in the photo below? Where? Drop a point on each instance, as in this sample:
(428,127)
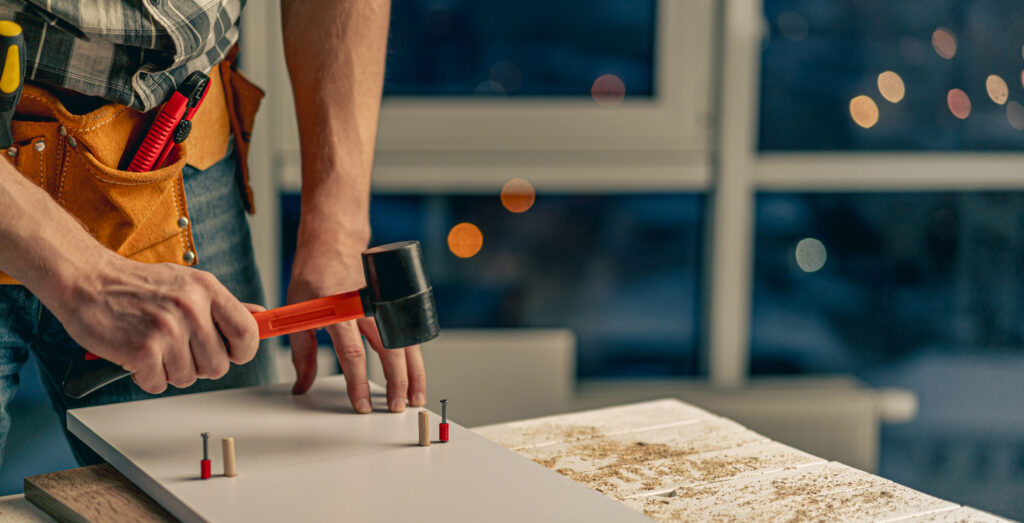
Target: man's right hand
(162,322)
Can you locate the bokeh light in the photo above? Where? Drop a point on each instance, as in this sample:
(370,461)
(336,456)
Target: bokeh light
(864,111)
(793,25)
(518,195)
(608,90)
(465,240)
(810,254)
(891,86)
(997,89)
(959,104)
(1015,114)
(944,43)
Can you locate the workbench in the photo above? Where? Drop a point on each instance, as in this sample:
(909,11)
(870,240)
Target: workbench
(675,462)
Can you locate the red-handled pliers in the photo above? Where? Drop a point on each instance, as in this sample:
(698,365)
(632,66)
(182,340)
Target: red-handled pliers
(172,124)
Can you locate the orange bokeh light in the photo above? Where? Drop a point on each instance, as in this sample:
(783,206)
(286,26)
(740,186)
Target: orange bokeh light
(959,103)
(864,111)
(608,90)
(944,43)
(465,240)
(518,195)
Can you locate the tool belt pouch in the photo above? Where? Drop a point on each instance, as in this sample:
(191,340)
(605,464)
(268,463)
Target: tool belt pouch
(79,161)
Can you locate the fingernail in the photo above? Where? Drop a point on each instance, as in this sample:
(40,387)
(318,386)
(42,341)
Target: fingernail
(418,399)
(397,405)
(363,406)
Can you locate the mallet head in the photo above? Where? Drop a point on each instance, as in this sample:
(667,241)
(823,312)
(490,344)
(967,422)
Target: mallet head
(401,298)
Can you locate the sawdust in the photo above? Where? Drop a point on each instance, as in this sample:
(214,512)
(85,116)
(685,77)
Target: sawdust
(826,495)
(818,507)
(556,433)
(650,465)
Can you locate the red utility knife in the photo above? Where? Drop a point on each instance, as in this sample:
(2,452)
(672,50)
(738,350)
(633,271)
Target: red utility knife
(172,124)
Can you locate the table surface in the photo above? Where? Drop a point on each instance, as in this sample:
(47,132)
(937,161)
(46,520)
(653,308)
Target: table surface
(313,458)
(675,462)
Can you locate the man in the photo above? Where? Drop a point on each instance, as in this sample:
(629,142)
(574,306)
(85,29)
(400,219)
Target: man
(80,237)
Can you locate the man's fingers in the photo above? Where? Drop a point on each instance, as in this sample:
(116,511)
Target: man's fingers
(304,358)
(209,352)
(150,377)
(397,377)
(180,368)
(352,357)
(417,376)
(234,320)
(393,362)
(254,307)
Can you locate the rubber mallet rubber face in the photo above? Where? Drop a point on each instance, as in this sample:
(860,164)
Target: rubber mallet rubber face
(401,298)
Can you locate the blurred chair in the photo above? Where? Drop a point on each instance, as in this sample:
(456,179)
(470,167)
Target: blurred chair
(496,375)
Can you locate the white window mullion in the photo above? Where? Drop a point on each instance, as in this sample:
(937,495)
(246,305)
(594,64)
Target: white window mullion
(731,201)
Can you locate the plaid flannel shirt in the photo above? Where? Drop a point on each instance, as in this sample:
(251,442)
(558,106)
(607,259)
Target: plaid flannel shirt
(133,52)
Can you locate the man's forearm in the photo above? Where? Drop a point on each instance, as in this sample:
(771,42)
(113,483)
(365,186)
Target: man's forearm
(42,245)
(335,51)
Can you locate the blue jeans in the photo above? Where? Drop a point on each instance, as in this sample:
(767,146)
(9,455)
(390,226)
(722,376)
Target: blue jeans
(224,247)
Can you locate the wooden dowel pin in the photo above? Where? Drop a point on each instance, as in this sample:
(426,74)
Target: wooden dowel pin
(424,428)
(227,447)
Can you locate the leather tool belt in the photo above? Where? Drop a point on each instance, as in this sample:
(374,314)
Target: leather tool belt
(79,160)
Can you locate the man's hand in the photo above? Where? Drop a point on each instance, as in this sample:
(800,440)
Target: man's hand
(316,274)
(162,322)
(337,99)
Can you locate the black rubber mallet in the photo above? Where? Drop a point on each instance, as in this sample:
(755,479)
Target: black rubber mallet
(397,295)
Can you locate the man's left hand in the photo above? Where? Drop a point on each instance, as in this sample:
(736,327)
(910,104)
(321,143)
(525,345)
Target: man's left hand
(319,272)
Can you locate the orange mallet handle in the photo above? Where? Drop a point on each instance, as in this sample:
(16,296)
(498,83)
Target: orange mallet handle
(311,314)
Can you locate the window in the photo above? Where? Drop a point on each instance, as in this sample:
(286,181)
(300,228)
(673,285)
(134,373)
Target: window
(526,48)
(620,271)
(917,290)
(909,290)
(916,75)
(605,108)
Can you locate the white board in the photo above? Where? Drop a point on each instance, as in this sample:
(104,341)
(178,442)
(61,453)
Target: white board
(311,458)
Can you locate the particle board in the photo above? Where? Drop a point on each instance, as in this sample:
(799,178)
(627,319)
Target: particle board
(677,463)
(582,425)
(312,458)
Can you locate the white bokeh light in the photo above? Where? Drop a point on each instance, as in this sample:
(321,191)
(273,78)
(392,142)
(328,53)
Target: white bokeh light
(810,254)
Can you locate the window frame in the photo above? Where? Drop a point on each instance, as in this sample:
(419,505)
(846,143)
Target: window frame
(743,171)
(715,152)
(438,144)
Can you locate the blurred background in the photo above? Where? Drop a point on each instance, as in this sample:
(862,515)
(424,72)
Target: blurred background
(804,215)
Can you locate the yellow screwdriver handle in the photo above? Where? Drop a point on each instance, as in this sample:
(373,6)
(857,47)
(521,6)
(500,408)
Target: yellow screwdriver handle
(12,76)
